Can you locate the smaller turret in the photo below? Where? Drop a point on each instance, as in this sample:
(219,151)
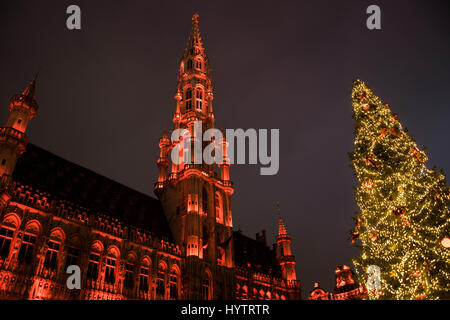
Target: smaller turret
(163,160)
(285,256)
(13,141)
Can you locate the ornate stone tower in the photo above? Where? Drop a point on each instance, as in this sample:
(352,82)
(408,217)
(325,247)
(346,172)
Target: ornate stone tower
(13,141)
(195,196)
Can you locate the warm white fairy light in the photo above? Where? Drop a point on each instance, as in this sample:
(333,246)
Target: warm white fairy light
(402,202)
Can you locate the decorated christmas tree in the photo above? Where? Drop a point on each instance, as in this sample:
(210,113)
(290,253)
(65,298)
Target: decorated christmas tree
(404,222)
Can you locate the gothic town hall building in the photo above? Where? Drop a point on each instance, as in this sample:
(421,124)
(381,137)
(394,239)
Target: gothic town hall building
(54,213)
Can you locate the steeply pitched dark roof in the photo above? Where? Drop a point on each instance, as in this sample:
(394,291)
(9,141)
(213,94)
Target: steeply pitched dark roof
(64,180)
(260,256)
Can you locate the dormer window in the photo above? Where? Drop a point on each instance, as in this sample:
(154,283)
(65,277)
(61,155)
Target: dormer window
(199,99)
(189,64)
(198,64)
(188,98)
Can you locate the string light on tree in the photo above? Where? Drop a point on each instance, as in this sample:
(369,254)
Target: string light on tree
(445,242)
(404,222)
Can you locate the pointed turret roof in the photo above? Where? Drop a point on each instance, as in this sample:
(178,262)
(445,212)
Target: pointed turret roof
(195,39)
(281,228)
(26,98)
(28,93)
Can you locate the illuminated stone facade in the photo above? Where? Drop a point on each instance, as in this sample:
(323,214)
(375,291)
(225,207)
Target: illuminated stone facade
(346,287)
(128,245)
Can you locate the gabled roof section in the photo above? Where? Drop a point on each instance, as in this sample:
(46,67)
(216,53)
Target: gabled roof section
(254,254)
(65,180)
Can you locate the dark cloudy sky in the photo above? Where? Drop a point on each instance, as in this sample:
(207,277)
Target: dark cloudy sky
(106,95)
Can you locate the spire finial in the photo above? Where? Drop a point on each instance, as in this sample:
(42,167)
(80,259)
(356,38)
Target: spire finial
(281,227)
(278,209)
(36,75)
(195,40)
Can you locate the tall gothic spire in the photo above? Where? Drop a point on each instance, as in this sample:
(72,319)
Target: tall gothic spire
(194,93)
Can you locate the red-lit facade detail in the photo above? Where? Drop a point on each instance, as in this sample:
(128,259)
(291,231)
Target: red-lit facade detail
(319,294)
(346,287)
(54,213)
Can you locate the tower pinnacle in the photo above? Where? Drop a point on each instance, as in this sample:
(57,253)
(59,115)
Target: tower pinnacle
(285,256)
(195,39)
(281,228)
(26,98)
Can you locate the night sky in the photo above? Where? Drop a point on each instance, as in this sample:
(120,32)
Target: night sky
(106,95)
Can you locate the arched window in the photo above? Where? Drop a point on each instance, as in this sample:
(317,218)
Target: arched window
(6,237)
(160,282)
(204,200)
(144,277)
(54,245)
(110,270)
(199,99)
(198,64)
(10,224)
(189,64)
(28,243)
(188,99)
(129,271)
(219,208)
(173,279)
(51,256)
(26,248)
(73,251)
(94,261)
